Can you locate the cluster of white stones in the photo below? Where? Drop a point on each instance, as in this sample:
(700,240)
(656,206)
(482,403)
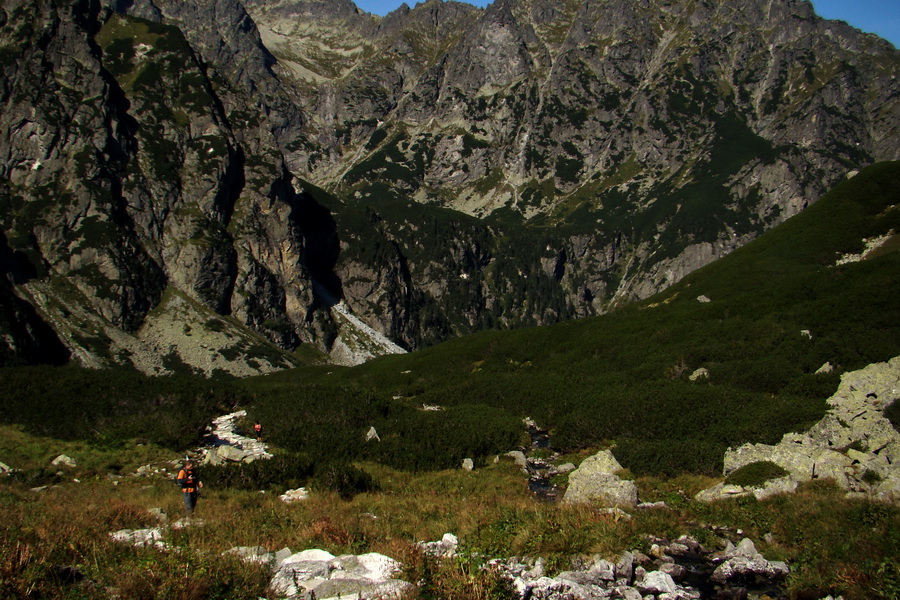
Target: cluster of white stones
(229,445)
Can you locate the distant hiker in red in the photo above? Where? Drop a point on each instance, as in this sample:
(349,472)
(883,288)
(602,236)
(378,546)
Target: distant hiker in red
(190,486)
(257,429)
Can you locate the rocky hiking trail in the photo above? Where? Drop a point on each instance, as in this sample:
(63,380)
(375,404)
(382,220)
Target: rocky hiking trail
(225,444)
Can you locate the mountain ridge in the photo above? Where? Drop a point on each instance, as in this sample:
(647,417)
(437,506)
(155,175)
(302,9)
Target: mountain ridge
(182,151)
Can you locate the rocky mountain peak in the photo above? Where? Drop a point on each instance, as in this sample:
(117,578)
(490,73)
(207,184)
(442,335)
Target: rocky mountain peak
(240,155)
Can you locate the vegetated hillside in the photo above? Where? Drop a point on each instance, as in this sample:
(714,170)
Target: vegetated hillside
(623,378)
(620,378)
(240,165)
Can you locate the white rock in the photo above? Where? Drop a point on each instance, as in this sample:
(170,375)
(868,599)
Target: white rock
(746,548)
(519,458)
(446,548)
(310,555)
(295,495)
(188,522)
(230,453)
(352,589)
(151,538)
(563,469)
(595,480)
(371,566)
(701,373)
(628,593)
(773,487)
(64,461)
(252,554)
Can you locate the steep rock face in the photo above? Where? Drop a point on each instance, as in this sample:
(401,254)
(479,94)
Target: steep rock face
(125,176)
(441,170)
(680,130)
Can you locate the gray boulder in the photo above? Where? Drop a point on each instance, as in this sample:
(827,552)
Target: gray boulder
(445,548)
(625,566)
(888,489)
(745,561)
(519,458)
(803,461)
(556,588)
(371,566)
(741,567)
(603,570)
(675,571)
(211,457)
(628,593)
(283,555)
(299,573)
(231,453)
(657,582)
(562,469)
(782,485)
(855,417)
(608,490)
(596,481)
(348,589)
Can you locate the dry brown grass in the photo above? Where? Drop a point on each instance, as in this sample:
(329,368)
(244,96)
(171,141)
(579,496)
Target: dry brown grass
(834,545)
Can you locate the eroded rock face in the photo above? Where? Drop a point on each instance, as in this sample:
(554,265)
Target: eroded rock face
(854,444)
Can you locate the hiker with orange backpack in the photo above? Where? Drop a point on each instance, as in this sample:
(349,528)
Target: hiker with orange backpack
(190,486)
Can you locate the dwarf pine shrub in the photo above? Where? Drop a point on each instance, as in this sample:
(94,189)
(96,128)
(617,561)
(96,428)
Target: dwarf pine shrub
(892,414)
(282,471)
(755,474)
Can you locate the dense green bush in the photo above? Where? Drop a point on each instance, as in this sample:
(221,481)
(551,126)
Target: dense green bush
(670,457)
(290,471)
(108,407)
(343,478)
(331,422)
(610,379)
(755,474)
(283,471)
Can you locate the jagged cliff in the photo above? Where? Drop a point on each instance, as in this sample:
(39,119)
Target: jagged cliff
(247,165)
